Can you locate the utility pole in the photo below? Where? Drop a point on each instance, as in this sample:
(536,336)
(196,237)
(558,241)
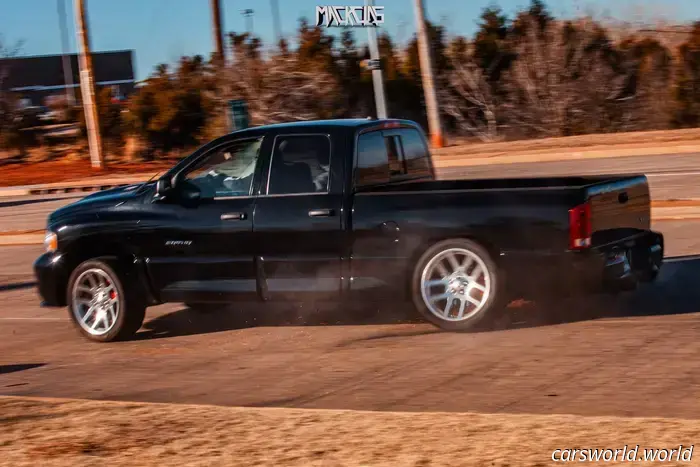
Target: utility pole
(377,77)
(426,66)
(217,28)
(65,57)
(276,20)
(87,86)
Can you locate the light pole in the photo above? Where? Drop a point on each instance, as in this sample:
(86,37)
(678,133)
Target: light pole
(65,58)
(375,66)
(276,20)
(248,14)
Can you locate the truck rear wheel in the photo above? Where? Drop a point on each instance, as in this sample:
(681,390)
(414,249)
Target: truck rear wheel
(100,307)
(456,285)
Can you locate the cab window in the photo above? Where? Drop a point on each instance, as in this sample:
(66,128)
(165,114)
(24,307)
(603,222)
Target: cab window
(228,170)
(415,152)
(300,165)
(383,156)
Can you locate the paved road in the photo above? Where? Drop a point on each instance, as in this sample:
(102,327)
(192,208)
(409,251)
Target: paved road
(636,355)
(24,213)
(672,176)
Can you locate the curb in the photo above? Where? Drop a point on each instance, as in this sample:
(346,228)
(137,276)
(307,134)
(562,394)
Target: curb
(72,187)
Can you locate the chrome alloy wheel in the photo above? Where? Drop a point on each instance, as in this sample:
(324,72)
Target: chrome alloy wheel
(455,284)
(96,304)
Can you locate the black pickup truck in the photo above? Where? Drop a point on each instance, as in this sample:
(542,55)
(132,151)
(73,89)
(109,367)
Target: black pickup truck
(341,210)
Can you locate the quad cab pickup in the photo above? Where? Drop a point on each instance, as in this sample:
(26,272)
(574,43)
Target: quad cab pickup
(342,210)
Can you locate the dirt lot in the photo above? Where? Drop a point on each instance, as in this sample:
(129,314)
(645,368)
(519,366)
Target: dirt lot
(67,170)
(71,432)
(14,172)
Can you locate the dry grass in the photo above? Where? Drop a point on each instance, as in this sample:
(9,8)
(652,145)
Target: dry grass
(73,433)
(584,142)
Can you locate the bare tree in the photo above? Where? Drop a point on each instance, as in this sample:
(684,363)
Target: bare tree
(469,100)
(561,82)
(280,87)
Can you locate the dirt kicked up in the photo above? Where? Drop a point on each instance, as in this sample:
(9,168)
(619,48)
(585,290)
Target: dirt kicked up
(75,433)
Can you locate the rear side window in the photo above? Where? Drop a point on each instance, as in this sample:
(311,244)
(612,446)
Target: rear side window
(387,155)
(300,164)
(372,159)
(415,152)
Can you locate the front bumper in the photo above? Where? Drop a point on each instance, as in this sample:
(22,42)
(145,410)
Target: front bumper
(610,268)
(51,278)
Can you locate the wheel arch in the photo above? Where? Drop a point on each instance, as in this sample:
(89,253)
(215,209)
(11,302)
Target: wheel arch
(116,252)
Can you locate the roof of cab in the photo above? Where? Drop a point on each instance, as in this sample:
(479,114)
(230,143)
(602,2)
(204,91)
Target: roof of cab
(341,122)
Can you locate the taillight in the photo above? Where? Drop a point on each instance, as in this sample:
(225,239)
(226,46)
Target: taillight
(580,227)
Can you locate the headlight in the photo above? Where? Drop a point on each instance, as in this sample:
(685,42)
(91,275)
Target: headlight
(50,242)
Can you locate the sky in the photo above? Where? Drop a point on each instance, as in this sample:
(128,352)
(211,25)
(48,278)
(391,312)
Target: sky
(160,31)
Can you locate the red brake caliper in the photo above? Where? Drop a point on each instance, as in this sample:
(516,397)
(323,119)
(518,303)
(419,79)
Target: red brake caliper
(112,293)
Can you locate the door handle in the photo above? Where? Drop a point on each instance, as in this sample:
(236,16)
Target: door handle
(233,216)
(321,213)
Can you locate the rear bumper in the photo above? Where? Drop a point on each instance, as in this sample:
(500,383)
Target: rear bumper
(51,279)
(616,267)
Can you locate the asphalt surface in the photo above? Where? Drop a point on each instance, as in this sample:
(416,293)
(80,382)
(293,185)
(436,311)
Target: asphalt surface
(637,354)
(670,176)
(633,355)
(676,177)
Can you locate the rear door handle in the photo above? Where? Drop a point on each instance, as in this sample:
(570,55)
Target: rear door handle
(321,213)
(233,216)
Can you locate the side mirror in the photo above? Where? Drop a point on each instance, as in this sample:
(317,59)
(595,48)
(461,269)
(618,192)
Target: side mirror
(163,187)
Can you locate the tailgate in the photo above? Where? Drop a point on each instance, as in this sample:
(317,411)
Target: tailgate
(620,208)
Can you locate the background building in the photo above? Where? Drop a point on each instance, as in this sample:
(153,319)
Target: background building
(40,79)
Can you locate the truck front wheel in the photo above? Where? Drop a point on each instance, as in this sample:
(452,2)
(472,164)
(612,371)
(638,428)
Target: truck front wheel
(456,285)
(100,307)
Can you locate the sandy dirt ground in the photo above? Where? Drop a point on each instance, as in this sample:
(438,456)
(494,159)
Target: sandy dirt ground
(77,433)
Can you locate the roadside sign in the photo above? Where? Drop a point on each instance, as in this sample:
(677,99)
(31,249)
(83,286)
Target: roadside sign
(372,64)
(238,115)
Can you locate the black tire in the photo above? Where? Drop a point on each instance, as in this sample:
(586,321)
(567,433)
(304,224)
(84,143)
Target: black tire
(132,307)
(491,310)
